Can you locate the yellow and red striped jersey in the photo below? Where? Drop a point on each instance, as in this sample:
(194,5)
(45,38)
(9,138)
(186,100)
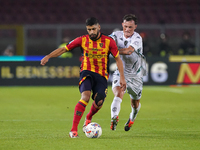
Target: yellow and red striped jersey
(95,53)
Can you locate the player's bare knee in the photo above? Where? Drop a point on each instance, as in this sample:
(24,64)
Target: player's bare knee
(85,96)
(119,93)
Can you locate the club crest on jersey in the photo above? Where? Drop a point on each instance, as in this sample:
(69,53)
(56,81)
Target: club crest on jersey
(101,45)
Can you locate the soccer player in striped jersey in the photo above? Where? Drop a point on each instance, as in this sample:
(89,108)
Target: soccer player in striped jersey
(96,48)
(130,49)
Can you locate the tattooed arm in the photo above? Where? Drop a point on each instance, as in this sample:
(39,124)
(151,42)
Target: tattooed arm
(126,51)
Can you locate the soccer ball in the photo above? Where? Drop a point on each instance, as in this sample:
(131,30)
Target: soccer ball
(93,130)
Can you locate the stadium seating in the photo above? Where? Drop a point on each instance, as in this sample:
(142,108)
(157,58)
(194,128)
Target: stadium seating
(108,11)
(25,12)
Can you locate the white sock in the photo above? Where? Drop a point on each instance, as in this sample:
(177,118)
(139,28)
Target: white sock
(115,106)
(134,112)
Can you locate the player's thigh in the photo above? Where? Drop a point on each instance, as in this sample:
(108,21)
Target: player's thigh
(134,89)
(100,87)
(85,81)
(116,81)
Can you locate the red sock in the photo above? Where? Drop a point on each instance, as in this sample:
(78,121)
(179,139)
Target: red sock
(78,113)
(93,110)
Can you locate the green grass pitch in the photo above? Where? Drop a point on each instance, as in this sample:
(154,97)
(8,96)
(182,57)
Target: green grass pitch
(40,118)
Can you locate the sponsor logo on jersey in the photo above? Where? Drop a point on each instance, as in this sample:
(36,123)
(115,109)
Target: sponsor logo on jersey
(95,56)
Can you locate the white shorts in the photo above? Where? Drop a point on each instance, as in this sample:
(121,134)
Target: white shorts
(134,86)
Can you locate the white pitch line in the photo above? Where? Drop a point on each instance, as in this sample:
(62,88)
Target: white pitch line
(167,90)
(51,120)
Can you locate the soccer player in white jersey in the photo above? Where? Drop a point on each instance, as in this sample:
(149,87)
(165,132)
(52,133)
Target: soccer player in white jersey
(130,48)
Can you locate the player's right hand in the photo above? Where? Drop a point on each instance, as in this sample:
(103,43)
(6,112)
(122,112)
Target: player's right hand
(123,83)
(44,60)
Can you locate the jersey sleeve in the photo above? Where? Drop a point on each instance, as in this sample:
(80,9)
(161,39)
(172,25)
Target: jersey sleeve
(113,36)
(74,43)
(113,48)
(137,44)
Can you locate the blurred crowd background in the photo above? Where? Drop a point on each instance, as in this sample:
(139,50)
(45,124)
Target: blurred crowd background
(36,27)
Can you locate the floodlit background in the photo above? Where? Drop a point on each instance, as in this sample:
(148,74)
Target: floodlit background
(35,27)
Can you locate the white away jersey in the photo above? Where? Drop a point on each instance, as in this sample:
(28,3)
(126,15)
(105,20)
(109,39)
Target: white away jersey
(134,64)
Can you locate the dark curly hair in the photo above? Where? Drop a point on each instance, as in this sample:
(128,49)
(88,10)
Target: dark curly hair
(91,21)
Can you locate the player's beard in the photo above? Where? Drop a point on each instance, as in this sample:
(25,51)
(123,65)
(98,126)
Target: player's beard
(94,36)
